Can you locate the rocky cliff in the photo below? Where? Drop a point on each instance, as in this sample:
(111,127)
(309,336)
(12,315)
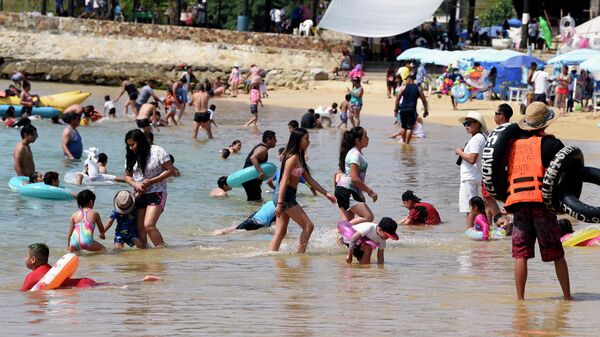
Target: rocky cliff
(102,52)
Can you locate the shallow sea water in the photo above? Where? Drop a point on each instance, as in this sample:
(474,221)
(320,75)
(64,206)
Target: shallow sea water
(434,282)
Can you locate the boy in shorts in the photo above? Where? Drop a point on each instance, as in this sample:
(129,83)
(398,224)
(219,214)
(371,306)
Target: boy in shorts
(378,233)
(344,106)
(126,230)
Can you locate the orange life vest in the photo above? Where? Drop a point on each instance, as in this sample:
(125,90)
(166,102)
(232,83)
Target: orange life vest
(525,171)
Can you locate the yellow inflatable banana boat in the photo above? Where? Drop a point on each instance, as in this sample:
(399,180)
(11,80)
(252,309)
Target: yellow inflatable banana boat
(59,101)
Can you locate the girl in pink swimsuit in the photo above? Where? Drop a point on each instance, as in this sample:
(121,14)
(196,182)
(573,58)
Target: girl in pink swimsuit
(83,223)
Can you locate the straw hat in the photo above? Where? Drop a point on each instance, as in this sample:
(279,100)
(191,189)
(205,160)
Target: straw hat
(537,116)
(475,116)
(123,202)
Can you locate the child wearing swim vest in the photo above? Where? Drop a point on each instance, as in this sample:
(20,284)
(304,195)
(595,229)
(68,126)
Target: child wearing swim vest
(126,230)
(378,233)
(83,223)
(480,222)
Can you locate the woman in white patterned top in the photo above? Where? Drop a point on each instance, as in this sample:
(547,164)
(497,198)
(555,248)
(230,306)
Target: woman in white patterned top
(148,167)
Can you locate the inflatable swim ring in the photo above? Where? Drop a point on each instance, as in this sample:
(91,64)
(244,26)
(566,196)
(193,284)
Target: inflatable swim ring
(583,236)
(237,178)
(61,270)
(495,234)
(38,190)
(495,157)
(346,230)
(101,179)
(460,93)
(567,161)
(571,189)
(15,183)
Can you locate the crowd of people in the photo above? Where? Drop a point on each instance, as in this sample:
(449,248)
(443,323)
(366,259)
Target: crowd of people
(138,211)
(562,90)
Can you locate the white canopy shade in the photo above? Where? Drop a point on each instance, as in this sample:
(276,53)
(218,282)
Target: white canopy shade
(377,18)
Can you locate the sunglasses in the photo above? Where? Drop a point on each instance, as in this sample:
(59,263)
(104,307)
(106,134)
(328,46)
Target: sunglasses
(498,113)
(467,123)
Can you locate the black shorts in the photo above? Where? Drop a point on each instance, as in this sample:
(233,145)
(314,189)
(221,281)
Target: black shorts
(201,117)
(253,190)
(251,224)
(356,252)
(112,112)
(408,118)
(133,97)
(343,195)
(151,199)
(142,123)
(253,108)
(390,84)
(540,98)
(289,198)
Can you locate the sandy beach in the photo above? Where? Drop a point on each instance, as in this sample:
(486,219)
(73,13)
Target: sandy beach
(573,126)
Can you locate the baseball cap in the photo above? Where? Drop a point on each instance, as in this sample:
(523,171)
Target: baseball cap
(389,226)
(410,195)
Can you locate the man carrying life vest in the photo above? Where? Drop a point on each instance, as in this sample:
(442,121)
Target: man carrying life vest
(528,159)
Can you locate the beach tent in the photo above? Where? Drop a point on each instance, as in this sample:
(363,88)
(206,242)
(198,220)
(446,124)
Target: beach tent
(574,57)
(589,28)
(377,18)
(442,57)
(521,61)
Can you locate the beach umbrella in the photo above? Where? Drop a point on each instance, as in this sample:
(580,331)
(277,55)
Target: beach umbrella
(574,56)
(592,65)
(521,61)
(514,22)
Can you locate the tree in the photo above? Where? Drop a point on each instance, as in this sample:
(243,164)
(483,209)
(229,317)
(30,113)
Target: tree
(501,10)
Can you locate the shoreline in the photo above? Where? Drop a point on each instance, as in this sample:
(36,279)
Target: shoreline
(582,126)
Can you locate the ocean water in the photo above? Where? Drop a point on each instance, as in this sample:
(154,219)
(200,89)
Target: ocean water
(434,282)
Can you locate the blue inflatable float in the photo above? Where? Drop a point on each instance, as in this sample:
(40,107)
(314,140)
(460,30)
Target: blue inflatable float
(495,234)
(460,93)
(43,111)
(237,178)
(38,190)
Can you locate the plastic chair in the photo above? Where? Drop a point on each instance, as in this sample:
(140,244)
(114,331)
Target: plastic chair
(305,27)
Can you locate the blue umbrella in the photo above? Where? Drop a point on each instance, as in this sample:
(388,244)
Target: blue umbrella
(521,61)
(514,22)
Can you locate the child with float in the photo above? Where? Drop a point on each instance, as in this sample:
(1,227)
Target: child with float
(364,237)
(43,275)
(480,220)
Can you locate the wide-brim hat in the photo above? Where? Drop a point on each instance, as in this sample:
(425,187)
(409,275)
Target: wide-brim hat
(537,116)
(123,202)
(475,116)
